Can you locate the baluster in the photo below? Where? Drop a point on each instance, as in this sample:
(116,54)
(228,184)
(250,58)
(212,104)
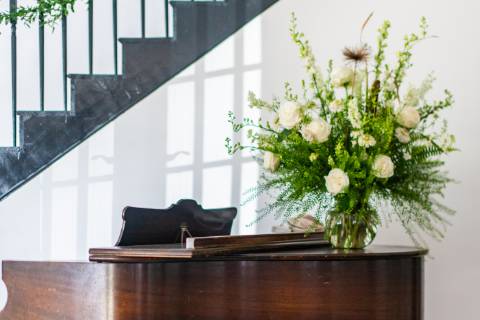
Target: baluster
(41,56)
(167,24)
(64,58)
(90,36)
(13,49)
(115,35)
(142,13)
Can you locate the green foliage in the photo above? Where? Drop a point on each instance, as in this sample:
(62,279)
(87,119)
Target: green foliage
(50,10)
(348,124)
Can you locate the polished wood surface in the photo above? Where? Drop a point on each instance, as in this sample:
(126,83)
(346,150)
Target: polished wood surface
(377,283)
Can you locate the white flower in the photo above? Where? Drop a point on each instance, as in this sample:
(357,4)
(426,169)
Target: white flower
(355,134)
(412,97)
(336,181)
(313,157)
(408,117)
(407,156)
(446,141)
(318,130)
(366,140)
(383,166)
(402,135)
(336,105)
(342,76)
(271,161)
(353,115)
(290,114)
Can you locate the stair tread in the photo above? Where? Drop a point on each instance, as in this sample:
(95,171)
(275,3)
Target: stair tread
(176,3)
(149,40)
(45,113)
(88,75)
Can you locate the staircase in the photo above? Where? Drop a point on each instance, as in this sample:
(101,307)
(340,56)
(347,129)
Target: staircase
(96,100)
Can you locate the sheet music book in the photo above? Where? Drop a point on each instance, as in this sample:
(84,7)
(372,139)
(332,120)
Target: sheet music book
(210,246)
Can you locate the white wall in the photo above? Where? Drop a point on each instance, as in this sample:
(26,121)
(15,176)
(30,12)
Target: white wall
(171,144)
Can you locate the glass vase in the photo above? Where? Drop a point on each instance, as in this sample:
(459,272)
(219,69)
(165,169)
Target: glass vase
(354,230)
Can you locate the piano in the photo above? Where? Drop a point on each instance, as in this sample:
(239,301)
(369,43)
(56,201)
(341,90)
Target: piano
(377,283)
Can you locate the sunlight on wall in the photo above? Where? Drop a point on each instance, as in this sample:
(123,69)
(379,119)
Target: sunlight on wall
(180,123)
(218,101)
(179,186)
(64,218)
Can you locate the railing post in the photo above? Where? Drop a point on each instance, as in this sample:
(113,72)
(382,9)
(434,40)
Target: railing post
(167,24)
(41,56)
(90,36)
(142,14)
(64,59)
(115,35)
(13,50)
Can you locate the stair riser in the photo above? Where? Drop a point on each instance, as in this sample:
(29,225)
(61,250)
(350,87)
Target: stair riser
(141,57)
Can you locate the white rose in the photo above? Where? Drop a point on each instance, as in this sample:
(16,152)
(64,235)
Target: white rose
(408,117)
(336,181)
(383,166)
(402,135)
(318,130)
(336,105)
(366,140)
(342,76)
(289,114)
(271,161)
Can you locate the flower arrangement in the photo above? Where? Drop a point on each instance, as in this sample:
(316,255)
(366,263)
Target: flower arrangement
(354,142)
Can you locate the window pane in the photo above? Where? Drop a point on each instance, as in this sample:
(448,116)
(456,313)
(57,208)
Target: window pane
(218,102)
(222,57)
(247,212)
(67,167)
(180,124)
(179,186)
(217,187)
(99,216)
(252,46)
(101,152)
(64,223)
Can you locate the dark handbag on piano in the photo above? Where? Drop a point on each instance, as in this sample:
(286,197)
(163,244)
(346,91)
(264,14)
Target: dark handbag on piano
(161,226)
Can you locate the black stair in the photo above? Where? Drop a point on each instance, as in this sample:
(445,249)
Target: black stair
(98,99)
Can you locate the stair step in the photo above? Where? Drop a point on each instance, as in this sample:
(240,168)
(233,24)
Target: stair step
(35,126)
(105,97)
(142,55)
(10,151)
(25,115)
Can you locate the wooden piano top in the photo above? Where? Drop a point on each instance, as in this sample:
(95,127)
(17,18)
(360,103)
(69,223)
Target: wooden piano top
(322,283)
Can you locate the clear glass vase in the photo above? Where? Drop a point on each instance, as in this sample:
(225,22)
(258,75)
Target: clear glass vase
(354,230)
